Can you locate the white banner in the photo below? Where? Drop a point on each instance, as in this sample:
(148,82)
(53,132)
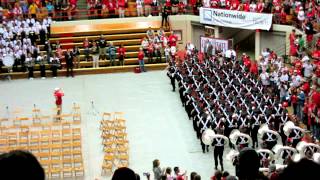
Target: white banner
(235,19)
(217,44)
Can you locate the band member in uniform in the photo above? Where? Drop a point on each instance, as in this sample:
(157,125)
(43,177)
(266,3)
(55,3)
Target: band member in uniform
(172,76)
(255,127)
(269,138)
(266,157)
(219,142)
(296,136)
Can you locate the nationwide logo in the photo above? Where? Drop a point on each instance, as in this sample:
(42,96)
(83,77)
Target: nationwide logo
(229,15)
(207,14)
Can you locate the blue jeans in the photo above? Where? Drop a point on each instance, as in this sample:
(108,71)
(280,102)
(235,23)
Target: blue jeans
(141,64)
(112,59)
(316,131)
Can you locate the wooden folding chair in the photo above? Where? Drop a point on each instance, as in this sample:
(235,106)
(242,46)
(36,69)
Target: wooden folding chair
(123,161)
(106,167)
(4,149)
(55,155)
(106,120)
(34,137)
(12,138)
(120,123)
(120,136)
(76,118)
(55,170)
(34,148)
(109,144)
(66,125)
(67,168)
(45,137)
(23,139)
(123,150)
(66,136)
(121,143)
(36,115)
(109,151)
(56,137)
(46,166)
(79,170)
(76,135)
(118,115)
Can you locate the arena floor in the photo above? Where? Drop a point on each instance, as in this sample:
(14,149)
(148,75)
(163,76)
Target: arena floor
(157,125)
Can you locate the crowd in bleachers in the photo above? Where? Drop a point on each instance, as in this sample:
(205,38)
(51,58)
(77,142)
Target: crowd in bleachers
(284,11)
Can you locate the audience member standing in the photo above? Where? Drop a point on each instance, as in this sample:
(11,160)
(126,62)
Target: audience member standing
(121,54)
(112,53)
(157,170)
(95,55)
(102,47)
(69,62)
(141,60)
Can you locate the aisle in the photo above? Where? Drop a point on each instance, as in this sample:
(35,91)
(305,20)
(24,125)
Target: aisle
(157,125)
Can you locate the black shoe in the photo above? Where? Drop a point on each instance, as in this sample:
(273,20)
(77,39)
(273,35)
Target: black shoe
(216,168)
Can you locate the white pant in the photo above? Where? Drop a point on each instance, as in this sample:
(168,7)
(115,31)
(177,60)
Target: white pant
(95,61)
(140,11)
(121,12)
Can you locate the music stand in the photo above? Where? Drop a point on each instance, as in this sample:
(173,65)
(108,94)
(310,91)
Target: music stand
(93,111)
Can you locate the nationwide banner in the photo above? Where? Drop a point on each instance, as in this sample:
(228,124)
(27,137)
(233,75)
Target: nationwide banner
(217,44)
(235,19)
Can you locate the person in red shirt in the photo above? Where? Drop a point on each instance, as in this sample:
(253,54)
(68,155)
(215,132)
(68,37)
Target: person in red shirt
(141,60)
(86,45)
(122,8)
(246,6)
(254,68)
(283,16)
(182,7)
(121,54)
(292,36)
(147,7)
(111,8)
(150,53)
(235,5)
(58,93)
(260,6)
(181,54)
(172,39)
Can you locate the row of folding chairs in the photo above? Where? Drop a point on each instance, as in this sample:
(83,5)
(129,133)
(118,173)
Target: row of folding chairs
(15,118)
(56,145)
(114,140)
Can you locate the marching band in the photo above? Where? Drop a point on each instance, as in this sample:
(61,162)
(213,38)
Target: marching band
(229,105)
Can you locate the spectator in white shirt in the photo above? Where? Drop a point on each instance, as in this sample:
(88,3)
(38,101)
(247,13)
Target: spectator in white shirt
(264,77)
(295,79)
(307,69)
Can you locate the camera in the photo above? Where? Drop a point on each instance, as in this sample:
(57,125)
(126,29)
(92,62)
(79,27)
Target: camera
(146,174)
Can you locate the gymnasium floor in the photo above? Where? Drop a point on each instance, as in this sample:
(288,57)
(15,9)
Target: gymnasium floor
(157,125)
